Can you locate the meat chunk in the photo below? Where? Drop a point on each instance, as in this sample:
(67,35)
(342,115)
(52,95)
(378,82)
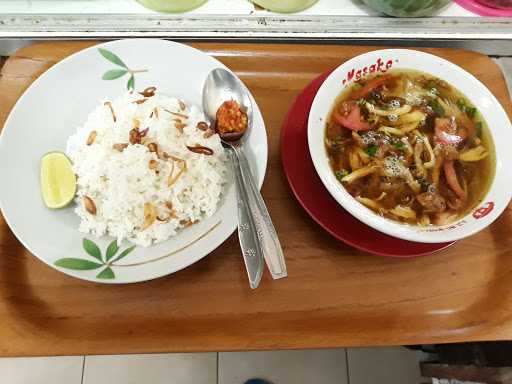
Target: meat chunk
(451,179)
(447,132)
(334,130)
(432,202)
(455,203)
(449,152)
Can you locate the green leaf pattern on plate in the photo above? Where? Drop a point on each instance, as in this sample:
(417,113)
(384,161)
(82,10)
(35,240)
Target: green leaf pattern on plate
(107,273)
(112,57)
(114,74)
(77,264)
(124,253)
(131,83)
(119,72)
(112,249)
(93,250)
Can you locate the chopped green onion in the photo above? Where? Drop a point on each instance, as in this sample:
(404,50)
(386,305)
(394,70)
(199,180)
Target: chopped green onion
(436,107)
(400,145)
(432,88)
(479,127)
(341,174)
(372,150)
(468,110)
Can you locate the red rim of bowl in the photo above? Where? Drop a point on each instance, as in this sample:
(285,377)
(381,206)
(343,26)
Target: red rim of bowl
(482,9)
(290,120)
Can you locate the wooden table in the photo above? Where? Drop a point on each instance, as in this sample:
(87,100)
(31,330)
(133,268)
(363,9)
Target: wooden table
(334,295)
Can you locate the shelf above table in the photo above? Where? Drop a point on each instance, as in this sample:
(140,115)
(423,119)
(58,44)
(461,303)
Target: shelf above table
(326,20)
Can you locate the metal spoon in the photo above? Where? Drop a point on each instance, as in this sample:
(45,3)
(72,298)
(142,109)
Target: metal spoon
(220,86)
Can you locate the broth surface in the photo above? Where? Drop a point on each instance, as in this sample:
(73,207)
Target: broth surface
(410,147)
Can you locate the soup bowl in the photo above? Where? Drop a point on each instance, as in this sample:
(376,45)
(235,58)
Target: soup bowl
(500,191)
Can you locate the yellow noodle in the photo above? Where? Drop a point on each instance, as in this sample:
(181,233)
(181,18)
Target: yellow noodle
(432,162)
(381,112)
(391,131)
(405,212)
(369,203)
(409,127)
(413,117)
(362,172)
(474,154)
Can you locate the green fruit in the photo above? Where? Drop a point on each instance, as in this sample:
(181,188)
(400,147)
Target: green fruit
(172,5)
(407,8)
(285,6)
(58,181)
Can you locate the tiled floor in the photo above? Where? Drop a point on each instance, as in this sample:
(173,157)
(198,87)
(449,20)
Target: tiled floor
(196,368)
(285,367)
(335,366)
(383,365)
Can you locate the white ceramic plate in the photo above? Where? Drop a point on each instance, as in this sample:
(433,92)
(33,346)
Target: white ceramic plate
(51,110)
(500,192)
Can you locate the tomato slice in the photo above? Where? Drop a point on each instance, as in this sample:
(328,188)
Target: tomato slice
(352,118)
(370,86)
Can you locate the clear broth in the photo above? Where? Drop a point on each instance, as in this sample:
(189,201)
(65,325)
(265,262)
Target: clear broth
(449,115)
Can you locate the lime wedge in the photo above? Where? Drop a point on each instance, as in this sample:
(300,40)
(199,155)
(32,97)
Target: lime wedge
(58,181)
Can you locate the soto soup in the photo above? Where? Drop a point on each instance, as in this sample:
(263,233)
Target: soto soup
(410,147)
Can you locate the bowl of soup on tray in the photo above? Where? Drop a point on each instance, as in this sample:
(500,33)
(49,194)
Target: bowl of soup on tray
(412,145)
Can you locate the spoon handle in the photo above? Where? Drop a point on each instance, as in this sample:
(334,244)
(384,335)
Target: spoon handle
(247,230)
(269,241)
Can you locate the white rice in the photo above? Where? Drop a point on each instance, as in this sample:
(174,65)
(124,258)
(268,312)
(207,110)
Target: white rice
(120,183)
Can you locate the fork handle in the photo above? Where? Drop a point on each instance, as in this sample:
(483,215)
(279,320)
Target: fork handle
(247,230)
